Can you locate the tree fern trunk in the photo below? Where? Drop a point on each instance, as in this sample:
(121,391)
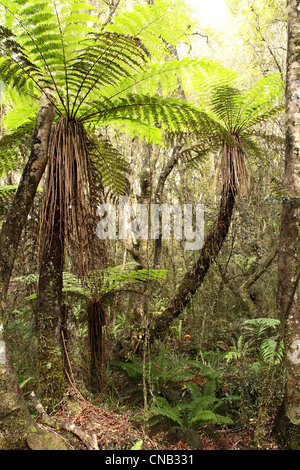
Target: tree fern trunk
(193,278)
(51,374)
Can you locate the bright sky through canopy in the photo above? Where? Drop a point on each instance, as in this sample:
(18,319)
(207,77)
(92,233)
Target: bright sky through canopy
(213,12)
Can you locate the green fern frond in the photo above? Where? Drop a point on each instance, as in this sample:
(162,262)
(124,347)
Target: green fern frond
(259,326)
(132,370)
(140,130)
(271,350)
(112,279)
(109,168)
(7,194)
(171,114)
(165,409)
(209,417)
(21,111)
(202,403)
(150,25)
(13,148)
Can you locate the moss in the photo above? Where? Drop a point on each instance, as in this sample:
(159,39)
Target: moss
(287,433)
(13,428)
(52,380)
(14,416)
(38,439)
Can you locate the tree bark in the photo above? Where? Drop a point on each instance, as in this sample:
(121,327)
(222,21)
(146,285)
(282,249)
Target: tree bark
(193,279)
(15,421)
(17,215)
(288,421)
(51,376)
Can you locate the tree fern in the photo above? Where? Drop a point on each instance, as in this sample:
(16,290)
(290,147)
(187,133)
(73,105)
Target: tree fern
(113,279)
(89,68)
(150,25)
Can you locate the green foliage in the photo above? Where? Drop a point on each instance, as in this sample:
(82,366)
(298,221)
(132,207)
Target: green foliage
(100,75)
(138,445)
(238,110)
(167,20)
(111,76)
(14,147)
(7,194)
(178,401)
(197,408)
(112,279)
(270,347)
(165,378)
(256,337)
(92,68)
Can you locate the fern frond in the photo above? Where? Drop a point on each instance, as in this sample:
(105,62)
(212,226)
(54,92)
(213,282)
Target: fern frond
(165,409)
(150,25)
(202,403)
(271,350)
(170,114)
(13,147)
(132,370)
(21,110)
(259,326)
(16,69)
(108,166)
(7,194)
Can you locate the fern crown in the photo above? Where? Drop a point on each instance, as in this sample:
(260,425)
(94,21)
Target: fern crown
(98,73)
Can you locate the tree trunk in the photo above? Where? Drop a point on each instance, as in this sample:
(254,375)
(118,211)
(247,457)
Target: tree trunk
(17,215)
(288,420)
(17,427)
(51,375)
(193,279)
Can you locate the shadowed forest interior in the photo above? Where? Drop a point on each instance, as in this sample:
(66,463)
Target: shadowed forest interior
(149,225)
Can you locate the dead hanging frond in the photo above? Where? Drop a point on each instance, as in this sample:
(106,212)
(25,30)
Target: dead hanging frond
(67,211)
(96,337)
(233,167)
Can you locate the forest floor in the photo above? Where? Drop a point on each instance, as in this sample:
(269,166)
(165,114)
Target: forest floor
(118,431)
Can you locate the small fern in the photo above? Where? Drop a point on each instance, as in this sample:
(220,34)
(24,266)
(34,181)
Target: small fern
(167,379)
(197,409)
(163,408)
(272,350)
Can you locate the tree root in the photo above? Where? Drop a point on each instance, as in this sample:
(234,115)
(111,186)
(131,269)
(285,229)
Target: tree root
(89,441)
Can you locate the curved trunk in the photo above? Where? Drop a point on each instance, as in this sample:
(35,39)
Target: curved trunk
(193,278)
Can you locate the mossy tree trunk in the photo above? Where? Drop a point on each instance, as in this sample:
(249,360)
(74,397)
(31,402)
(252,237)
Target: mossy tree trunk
(17,428)
(51,375)
(193,278)
(288,420)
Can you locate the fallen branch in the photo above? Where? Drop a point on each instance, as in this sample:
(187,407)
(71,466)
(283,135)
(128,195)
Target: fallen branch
(89,441)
